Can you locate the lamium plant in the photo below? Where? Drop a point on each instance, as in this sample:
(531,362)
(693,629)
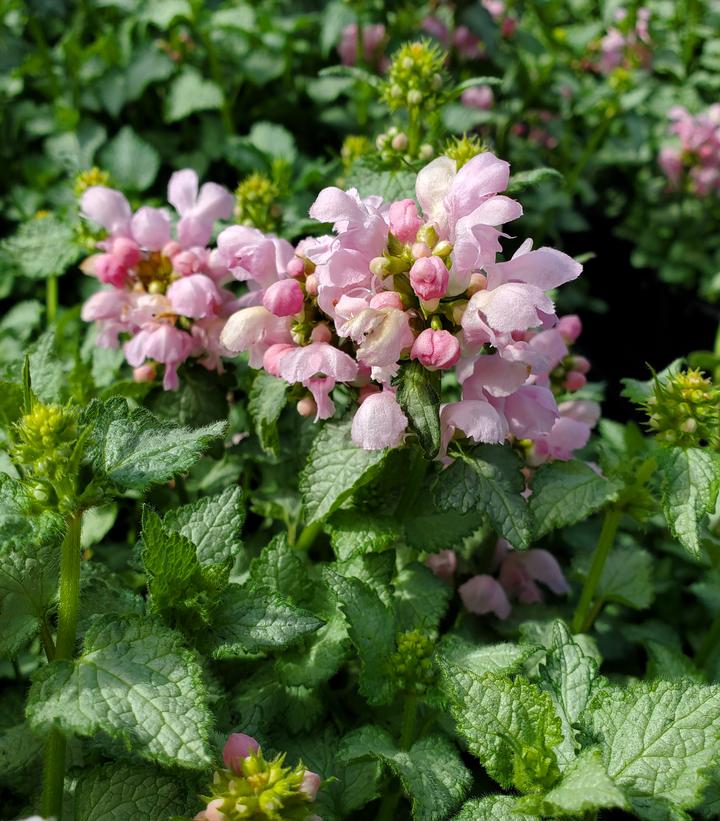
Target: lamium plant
(309,509)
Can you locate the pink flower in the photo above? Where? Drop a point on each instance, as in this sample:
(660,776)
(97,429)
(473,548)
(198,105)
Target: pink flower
(530,411)
(436,349)
(373,39)
(670,160)
(255,330)
(404,220)
(151,228)
(198,210)
(379,422)
(429,277)
(212,811)
(237,748)
(519,570)
(164,343)
(443,564)
(476,418)
(195,296)
(381,335)
(126,252)
(437,29)
(570,326)
(482,595)
(284,298)
(107,208)
(251,255)
(359,222)
(311,784)
(467,44)
(108,270)
(480,97)
(273,356)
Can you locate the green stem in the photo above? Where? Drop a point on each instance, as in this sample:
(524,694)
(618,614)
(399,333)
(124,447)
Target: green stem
(308,536)
(710,642)
(602,551)
(388,807)
(716,351)
(51,299)
(69,596)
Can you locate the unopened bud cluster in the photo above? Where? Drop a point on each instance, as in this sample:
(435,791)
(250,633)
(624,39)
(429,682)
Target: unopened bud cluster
(533,768)
(86,179)
(684,410)
(256,202)
(394,144)
(253,788)
(416,78)
(412,663)
(463,149)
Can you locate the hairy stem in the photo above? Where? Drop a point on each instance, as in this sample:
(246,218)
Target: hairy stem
(51,299)
(308,536)
(69,594)
(581,622)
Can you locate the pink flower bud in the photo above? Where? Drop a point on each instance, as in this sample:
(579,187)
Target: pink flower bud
(581,364)
(404,220)
(387,299)
(574,381)
(429,278)
(436,349)
(307,406)
(126,252)
(171,248)
(186,263)
(480,97)
(145,373)
(212,811)
(109,270)
(478,282)
(321,333)
(284,298)
(237,748)
(310,784)
(570,327)
(311,285)
(442,564)
(296,267)
(273,356)
(421,249)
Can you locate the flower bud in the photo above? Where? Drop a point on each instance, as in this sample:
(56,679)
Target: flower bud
(443,249)
(307,406)
(429,278)
(478,282)
(580,364)
(574,381)
(171,248)
(273,357)
(284,298)
(570,327)
(145,373)
(238,747)
(414,97)
(387,299)
(426,151)
(404,220)
(109,270)
(380,266)
(399,142)
(296,267)
(311,285)
(436,349)
(443,564)
(428,235)
(321,333)
(310,784)
(421,249)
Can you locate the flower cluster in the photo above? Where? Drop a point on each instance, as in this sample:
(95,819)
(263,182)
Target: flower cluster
(697,158)
(165,296)
(394,284)
(628,43)
(370,50)
(466,44)
(252,788)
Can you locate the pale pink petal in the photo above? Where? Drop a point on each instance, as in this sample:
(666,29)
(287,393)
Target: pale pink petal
(543,567)
(182,190)
(496,376)
(531,411)
(432,184)
(321,387)
(107,208)
(151,228)
(195,296)
(379,422)
(478,420)
(544,268)
(483,594)
(317,359)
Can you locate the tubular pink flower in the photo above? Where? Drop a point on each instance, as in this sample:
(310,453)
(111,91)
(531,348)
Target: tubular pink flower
(195,296)
(151,228)
(510,307)
(273,356)
(404,220)
(108,270)
(480,97)
(284,298)
(379,422)
(106,304)
(164,343)
(429,277)
(519,570)
(198,210)
(476,418)
(443,564)
(380,335)
(482,595)
(373,39)
(494,376)
(107,208)
(317,359)
(436,349)
(237,748)
(570,326)
(251,255)
(311,784)
(530,411)
(255,330)
(126,252)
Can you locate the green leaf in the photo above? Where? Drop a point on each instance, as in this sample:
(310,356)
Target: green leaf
(372,179)
(133,163)
(135,682)
(421,599)
(568,676)
(248,622)
(432,531)
(42,247)
(418,392)
(690,484)
(212,523)
(565,493)
(471,82)
(189,93)
(336,467)
(585,786)
(658,739)
(281,570)
(493,808)
(357,73)
(354,534)
(503,658)
(431,771)
(504,722)
(268,396)
(626,577)
(117,792)
(639,392)
(274,140)
(669,663)
(372,629)
(529,179)
(133,449)
(49,382)
(200,400)
(488,480)
(183,591)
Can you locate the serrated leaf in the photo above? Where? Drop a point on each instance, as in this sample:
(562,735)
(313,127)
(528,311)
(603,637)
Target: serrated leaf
(431,771)
(371,179)
(336,467)
(418,393)
(135,682)
(568,676)
(117,792)
(493,808)
(657,739)
(372,629)
(529,179)
(133,163)
(626,577)
(670,663)
(690,484)
(46,371)
(268,396)
(133,449)
(565,493)
(353,533)
(248,622)
(189,93)
(42,248)
(501,719)
(421,599)
(435,531)
(584,787)
(488,480)
(212,523)
(281,570)
(506,658)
